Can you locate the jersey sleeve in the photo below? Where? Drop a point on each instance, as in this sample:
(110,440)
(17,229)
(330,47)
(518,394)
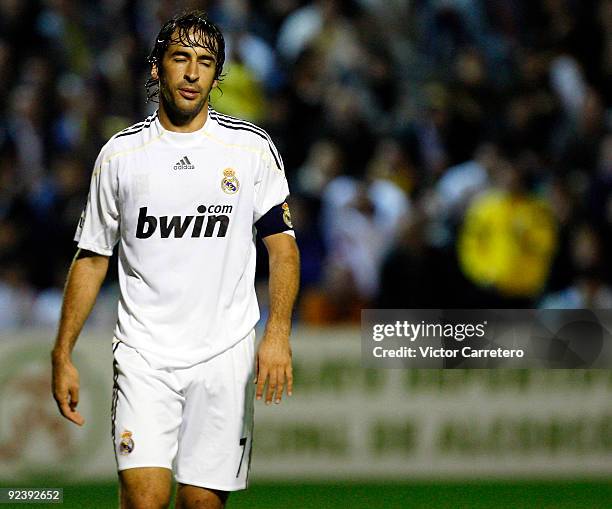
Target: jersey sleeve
(98,228)
(271,188)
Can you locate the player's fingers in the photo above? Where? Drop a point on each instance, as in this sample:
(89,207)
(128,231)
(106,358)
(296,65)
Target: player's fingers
(280,386)
(289,380)
(64,408)
(70,414)
(256,369)
(74,397)
(58,401)
(78,418)
(261,380)
(58,396)
(271,386)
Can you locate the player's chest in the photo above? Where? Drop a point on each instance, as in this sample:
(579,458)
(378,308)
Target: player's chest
(180,177)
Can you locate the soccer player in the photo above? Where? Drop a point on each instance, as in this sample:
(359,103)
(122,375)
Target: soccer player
(183,193)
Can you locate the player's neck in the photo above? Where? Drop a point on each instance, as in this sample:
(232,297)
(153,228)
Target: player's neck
(179,125)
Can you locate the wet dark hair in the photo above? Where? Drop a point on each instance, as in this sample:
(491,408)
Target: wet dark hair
(191,28)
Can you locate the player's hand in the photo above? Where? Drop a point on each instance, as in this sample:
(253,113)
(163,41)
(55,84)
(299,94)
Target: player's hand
(274,365)
(65,385)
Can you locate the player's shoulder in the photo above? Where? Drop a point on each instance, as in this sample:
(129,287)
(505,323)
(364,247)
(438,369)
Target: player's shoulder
(131,137)
(239,129)
(242,133)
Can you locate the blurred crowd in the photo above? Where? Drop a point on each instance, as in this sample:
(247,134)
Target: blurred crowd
(440,153)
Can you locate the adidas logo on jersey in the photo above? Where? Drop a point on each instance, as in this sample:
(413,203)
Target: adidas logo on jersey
(177,226)
(184,164)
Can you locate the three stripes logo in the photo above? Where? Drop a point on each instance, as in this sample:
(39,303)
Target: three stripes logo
(184,164)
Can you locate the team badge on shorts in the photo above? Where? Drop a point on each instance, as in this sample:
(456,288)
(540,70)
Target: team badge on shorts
(229,183)
(126,446)
(287,215)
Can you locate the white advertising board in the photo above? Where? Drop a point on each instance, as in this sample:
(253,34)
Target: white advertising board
(343,422)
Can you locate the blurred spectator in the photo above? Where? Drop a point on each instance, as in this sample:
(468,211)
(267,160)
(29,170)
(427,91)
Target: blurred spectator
(414,271)
(240,93)
(588,289)
(459,184)
(588,292)
(360,220)
(508,238)
(324,163)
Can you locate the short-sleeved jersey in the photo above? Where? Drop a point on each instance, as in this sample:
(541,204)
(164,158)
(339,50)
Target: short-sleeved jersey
(182,207)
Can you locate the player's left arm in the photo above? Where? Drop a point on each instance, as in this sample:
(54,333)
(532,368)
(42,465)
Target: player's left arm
(274,353)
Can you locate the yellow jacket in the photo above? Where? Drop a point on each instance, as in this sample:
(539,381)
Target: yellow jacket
(507,242)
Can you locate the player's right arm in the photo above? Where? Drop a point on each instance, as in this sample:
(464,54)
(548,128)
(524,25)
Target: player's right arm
(97,234)
(85,278)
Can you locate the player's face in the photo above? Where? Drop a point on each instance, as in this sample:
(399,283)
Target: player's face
(187,76)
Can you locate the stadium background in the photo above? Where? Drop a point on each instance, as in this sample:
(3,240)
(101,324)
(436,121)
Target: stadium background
(449,153)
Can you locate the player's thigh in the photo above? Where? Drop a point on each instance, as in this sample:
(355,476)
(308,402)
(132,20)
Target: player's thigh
(194,497)
(146,413)
(216,432)
(145,488)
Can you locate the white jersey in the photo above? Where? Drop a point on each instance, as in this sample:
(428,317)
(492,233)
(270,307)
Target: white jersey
(182,207)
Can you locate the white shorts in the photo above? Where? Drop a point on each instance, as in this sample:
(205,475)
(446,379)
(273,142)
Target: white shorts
(198,420)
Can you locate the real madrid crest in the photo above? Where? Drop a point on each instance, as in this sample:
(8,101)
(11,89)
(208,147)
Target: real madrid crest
(287,215)
(229,183)
(126,446)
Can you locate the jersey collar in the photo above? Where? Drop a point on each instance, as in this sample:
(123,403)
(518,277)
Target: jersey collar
(183,139)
